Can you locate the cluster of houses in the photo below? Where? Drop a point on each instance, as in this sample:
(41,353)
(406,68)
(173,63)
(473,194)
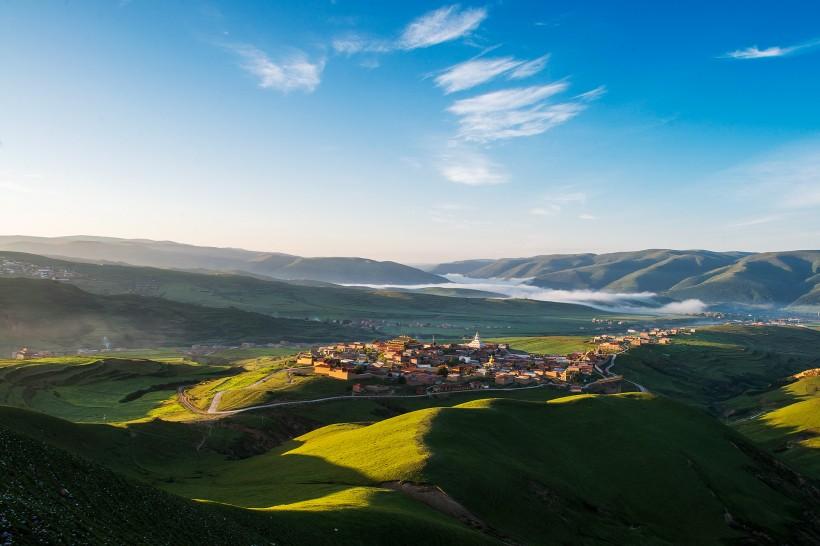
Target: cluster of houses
(17,268)
(435,367)
(608,344)
(25,353)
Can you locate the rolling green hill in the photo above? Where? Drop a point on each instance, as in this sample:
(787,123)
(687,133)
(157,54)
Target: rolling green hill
(773,278)
(50,315)
(167,254)
(581,470)
(49,496)
(744,375)
(317,300)
(718,364)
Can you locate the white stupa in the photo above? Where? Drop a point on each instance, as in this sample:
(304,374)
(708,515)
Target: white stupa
(476,342)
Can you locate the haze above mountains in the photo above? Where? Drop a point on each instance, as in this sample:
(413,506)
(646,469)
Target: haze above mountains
(789,279)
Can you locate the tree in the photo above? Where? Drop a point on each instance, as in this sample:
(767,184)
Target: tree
(443,371)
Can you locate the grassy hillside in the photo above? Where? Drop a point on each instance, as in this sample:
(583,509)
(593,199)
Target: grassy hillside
(582,470)
(786,421)
(744,375)
(721,363)
(406,312)
(49,496)
(502,462)
(773,278)
(50,315)
(97,390)
(167,254)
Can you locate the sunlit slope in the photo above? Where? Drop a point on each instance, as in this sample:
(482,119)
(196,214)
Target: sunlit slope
(582,469)
(787,422)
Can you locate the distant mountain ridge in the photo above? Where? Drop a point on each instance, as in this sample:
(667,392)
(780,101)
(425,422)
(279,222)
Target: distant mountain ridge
(171,255)
(788,279)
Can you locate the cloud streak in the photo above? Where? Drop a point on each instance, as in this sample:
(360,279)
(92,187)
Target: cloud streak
(442,25)
(477,71)
(294,72)
(516,112)
(754,52)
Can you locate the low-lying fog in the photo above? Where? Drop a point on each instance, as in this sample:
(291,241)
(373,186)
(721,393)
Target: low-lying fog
(634,302)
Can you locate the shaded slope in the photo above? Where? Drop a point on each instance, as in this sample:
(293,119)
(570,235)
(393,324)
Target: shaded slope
(50,315)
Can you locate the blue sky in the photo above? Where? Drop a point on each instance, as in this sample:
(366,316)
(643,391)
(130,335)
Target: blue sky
(415,131)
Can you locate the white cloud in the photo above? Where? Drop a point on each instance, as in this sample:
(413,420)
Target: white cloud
(631,302)
(586,216)
(540,211)
(477,71)
(442,25)
(294,72)
(755,52)
(471,73)
(529,68)
(516,112)
(685,307)
(472,169)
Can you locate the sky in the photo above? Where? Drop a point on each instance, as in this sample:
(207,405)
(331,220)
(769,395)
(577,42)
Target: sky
(413,131)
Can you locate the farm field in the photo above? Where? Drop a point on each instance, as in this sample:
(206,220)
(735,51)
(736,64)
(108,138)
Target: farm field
(548,344)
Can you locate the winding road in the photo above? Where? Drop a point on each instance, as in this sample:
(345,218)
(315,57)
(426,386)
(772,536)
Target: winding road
(184,401)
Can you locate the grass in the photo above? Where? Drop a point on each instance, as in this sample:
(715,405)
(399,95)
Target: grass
(535,471)
(96,390)
(547,344)
(719,364)
(531,471)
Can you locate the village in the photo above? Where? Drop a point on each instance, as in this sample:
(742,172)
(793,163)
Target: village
(449,367)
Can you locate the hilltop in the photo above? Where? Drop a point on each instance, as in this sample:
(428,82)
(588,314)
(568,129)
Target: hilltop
(167,254)
(783,279)
(51,315)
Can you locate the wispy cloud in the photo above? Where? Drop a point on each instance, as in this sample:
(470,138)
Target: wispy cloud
(530,68)
(442,25)
(471,169)
(294,72)
(516,112)
(477,71)
(587,216)
(471,73)
(754,52)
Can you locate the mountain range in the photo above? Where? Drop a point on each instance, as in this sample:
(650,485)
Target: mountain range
(788,279)
(167,254)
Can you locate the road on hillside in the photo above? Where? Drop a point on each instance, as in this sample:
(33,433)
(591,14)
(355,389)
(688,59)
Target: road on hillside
(607,373)
(183,399)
